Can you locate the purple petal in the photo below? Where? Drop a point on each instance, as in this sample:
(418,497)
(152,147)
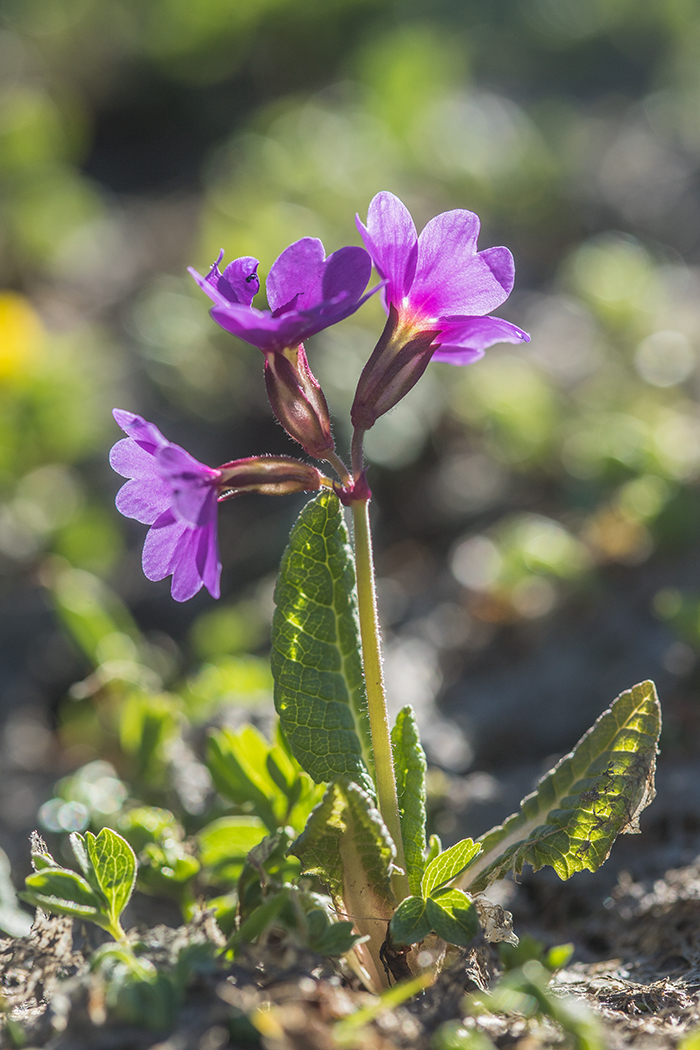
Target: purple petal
(192,485)
(465,340)
(144,499)
(145,434)
(131,460)
(208,560)
(260,328)
(189,554)
(298,271)
(451,277)
(391,240)
(238,283)
(198,564)
(164,541)
(346,274)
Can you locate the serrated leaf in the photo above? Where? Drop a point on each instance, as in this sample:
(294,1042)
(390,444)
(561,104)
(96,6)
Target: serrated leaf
(410,767)
(590,797)
(448,864)
(346,837)
(347,845)
(453,917)
(410,922)
(64,892)
(316,664)
(114,863)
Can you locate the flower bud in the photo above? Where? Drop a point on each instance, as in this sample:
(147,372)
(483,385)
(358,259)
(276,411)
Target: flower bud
(398,361)
(268,476)
(298,402)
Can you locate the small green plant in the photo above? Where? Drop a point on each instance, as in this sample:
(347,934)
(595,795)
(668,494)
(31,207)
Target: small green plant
(100,894)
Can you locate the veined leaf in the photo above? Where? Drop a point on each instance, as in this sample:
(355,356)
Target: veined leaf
(316,665)
(347,845)
(346,837)
(410,923)
(62,891)
(590,797)
(114,863)
(453,917)
(410,767)
(448,864)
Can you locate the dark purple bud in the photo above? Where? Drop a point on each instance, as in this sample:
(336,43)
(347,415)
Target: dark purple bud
(268,476)
(298,402)
(398,361)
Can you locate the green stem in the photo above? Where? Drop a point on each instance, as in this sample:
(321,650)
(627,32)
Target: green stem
(374,683)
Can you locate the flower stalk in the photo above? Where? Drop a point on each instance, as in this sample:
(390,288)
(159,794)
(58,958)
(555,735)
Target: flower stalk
(376,697)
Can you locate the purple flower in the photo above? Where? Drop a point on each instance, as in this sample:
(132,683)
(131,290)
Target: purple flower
(176,495)
(306,293)
(438,292)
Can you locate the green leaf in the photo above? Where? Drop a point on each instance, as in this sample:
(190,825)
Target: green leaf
(63,892)
(347,845)
(410,767)
(346,840)
(410,922)
(338,938)
(448,864)
(434,847)
(316,664)
(237,762)
(580,807)
(77,844)
(114,863)
(453,917)
(225,843)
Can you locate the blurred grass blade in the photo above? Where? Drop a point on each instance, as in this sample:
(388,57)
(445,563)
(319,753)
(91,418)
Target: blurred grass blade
(590,797)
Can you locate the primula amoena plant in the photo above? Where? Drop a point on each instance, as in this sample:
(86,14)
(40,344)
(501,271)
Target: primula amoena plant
(340,789)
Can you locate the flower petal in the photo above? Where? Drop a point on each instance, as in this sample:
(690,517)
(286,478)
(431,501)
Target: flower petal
(298,271)
(240,282)
(191,483)
(391,240)
(131,460)
(163,545)
(145,434)
(451,277)
(144,499)
(345,273)
(465,340)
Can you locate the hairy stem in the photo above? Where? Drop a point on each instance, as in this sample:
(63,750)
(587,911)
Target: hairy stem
(339,467)
(357,452)
(374,682)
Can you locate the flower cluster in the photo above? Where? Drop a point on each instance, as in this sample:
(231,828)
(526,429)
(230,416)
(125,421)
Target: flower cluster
(438,291)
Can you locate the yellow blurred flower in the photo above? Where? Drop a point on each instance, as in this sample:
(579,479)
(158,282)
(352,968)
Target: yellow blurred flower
(21,336)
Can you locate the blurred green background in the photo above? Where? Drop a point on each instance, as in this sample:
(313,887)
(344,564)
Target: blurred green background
(538,514)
